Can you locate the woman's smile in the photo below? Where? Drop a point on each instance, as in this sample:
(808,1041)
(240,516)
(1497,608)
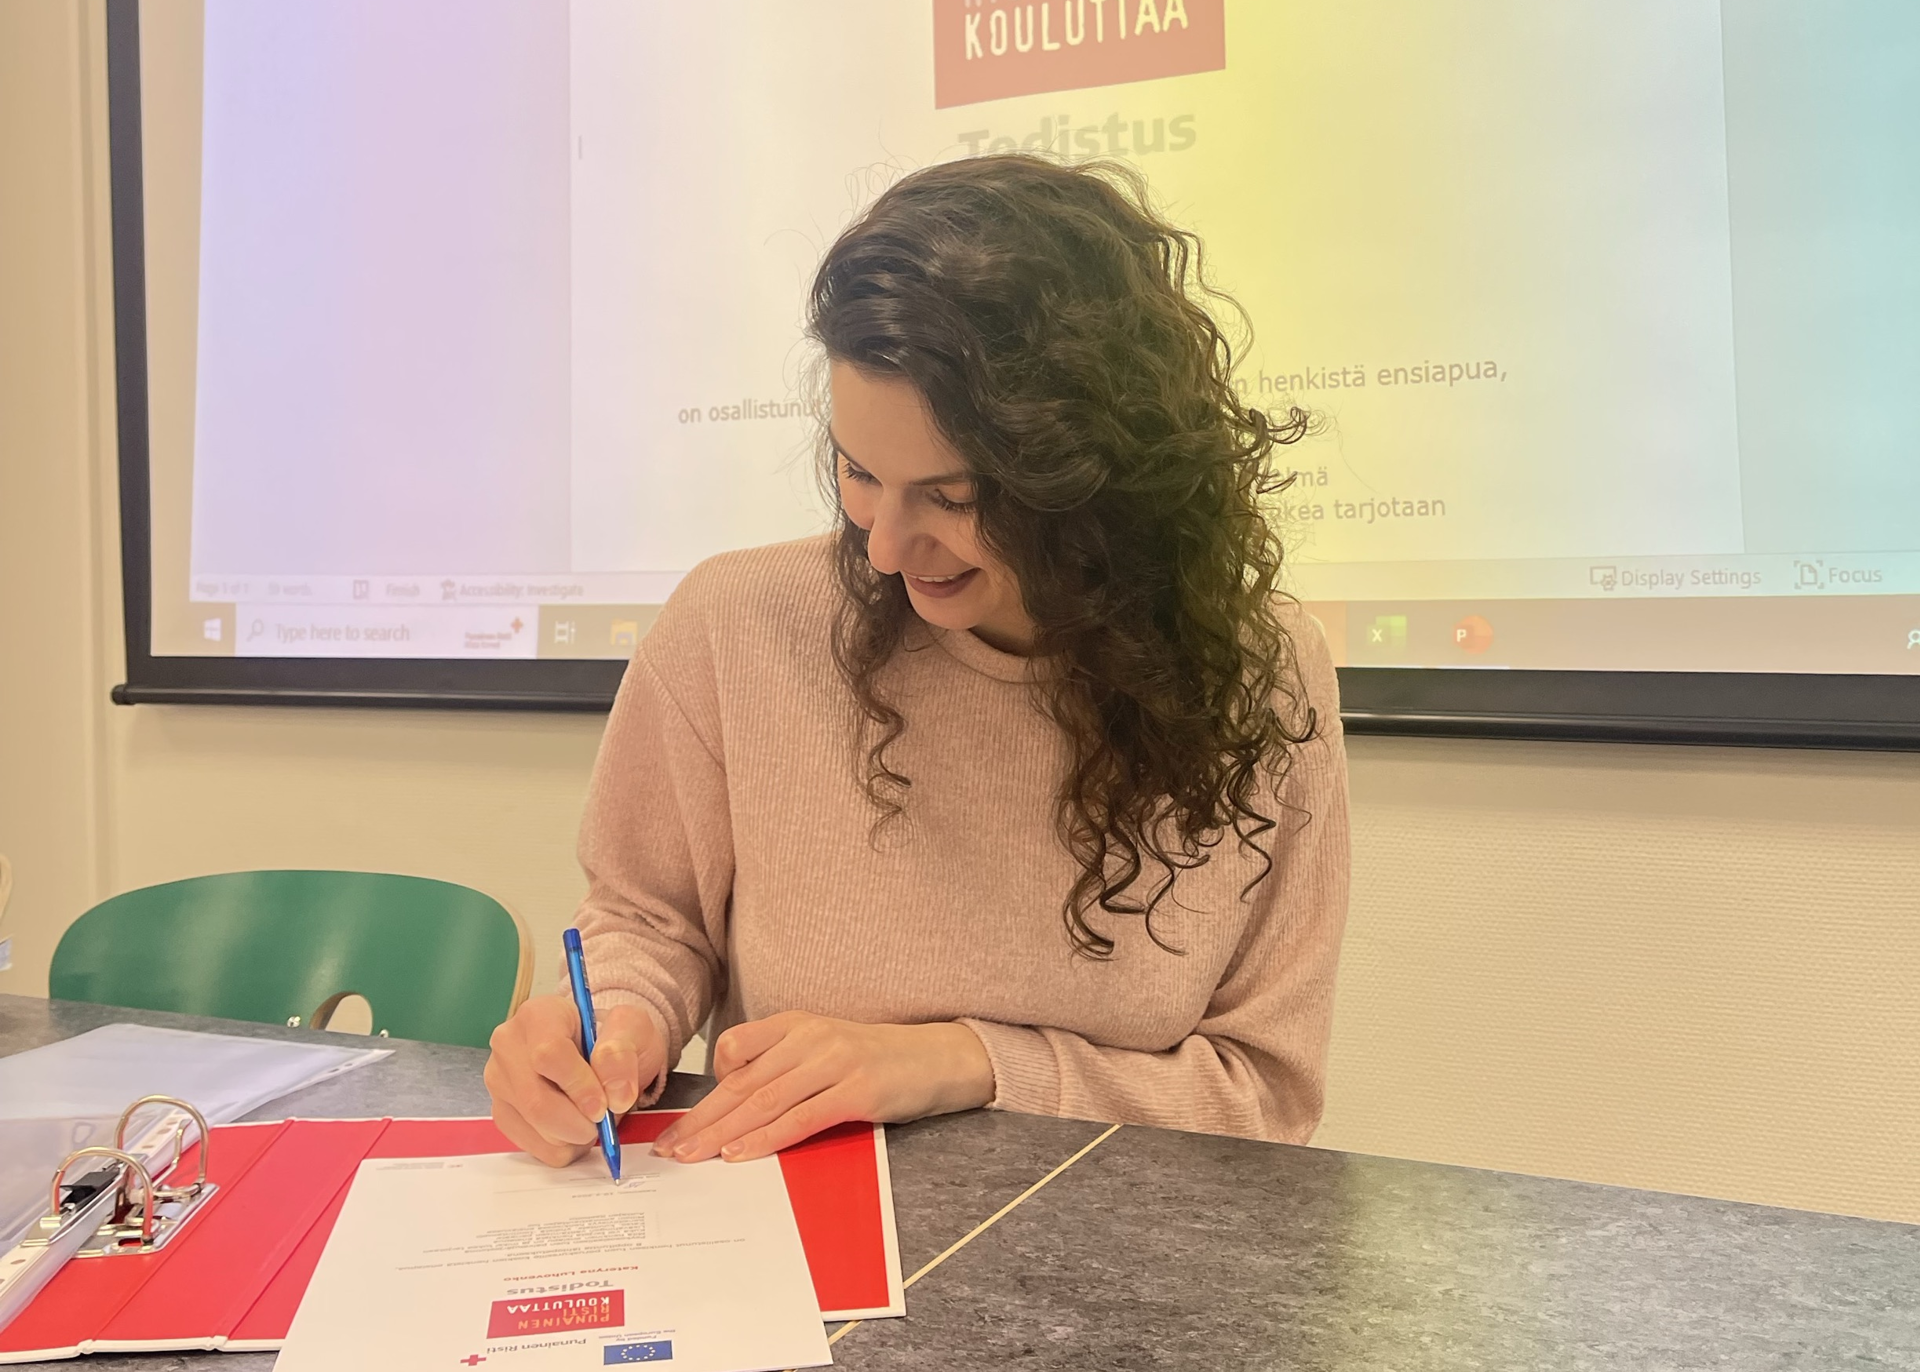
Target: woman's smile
(941,587)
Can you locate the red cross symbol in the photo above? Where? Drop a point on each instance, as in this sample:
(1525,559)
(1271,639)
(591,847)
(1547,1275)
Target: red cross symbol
(472,1358)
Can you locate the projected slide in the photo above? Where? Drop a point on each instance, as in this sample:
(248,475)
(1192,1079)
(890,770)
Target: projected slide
(1608,307)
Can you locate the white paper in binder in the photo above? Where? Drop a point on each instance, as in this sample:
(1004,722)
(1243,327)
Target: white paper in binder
(69,1095)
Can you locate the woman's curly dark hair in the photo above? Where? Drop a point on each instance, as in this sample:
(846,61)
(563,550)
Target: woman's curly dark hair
(1053,322)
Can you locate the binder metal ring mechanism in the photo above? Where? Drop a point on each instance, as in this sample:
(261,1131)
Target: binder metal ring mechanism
(104,1213)
(104,1199)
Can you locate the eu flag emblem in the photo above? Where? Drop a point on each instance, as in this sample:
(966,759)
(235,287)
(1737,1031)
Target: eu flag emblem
(660,1350)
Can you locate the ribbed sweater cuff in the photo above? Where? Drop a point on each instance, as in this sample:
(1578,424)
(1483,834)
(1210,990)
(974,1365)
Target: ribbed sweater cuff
(1026,1072)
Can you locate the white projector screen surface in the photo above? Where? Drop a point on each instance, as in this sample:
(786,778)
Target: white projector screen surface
(474,324)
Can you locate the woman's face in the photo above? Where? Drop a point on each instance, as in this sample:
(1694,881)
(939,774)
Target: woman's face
(907,487)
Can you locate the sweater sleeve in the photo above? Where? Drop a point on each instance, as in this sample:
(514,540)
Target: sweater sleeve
(1255,1064)
(656,840)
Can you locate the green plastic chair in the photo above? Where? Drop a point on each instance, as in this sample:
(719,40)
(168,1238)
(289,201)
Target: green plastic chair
(435,960)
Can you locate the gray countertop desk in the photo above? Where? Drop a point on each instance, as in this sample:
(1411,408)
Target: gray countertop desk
(1156,1249)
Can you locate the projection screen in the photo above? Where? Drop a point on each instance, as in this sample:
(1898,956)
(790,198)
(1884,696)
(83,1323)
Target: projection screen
(453,333)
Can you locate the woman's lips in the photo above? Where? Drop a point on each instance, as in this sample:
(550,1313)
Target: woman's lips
(941,589)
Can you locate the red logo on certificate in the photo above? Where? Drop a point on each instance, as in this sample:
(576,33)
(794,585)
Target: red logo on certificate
(557,1314)
(991,49)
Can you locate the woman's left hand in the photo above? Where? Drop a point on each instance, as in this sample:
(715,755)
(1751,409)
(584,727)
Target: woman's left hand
(787,1077)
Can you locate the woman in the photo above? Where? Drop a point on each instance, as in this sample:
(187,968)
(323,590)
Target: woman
(1024,788)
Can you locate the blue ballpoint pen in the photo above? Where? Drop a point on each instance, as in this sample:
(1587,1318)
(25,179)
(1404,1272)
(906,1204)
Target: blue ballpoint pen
(583,1001)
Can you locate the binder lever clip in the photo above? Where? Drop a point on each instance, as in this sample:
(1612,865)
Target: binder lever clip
(129,1224)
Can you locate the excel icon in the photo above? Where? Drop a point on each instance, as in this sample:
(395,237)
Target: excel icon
(1387,631)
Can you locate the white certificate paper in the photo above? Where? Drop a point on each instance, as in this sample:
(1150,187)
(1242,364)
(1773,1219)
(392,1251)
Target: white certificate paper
(499,1262)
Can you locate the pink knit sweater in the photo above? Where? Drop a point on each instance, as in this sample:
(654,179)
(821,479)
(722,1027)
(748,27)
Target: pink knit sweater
(734,870)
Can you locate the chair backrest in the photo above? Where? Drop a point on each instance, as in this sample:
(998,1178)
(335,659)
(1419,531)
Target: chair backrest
(435,960)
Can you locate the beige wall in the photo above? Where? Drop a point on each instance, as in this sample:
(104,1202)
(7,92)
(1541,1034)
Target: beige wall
(1683,968)
(1690,969)
(52,817)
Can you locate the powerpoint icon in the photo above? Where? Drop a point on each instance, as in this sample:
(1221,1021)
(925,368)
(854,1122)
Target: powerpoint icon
(993,49)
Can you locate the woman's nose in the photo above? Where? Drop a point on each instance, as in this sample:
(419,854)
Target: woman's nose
(890,537)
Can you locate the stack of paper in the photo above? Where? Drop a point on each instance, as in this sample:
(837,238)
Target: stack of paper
(448,1262)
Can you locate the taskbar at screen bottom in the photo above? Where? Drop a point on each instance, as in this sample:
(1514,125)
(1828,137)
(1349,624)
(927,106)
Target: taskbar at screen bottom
(1824,634)
(1816,634)
(1827,672)
(453,633)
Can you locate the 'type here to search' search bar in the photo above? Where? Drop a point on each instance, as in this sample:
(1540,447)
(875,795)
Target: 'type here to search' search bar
(409,631)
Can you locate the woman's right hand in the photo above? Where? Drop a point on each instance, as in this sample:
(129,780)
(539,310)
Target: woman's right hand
(546,1097)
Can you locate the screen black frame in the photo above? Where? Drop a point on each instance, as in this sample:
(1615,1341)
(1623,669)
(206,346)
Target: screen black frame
(1779,710)
(540,684)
